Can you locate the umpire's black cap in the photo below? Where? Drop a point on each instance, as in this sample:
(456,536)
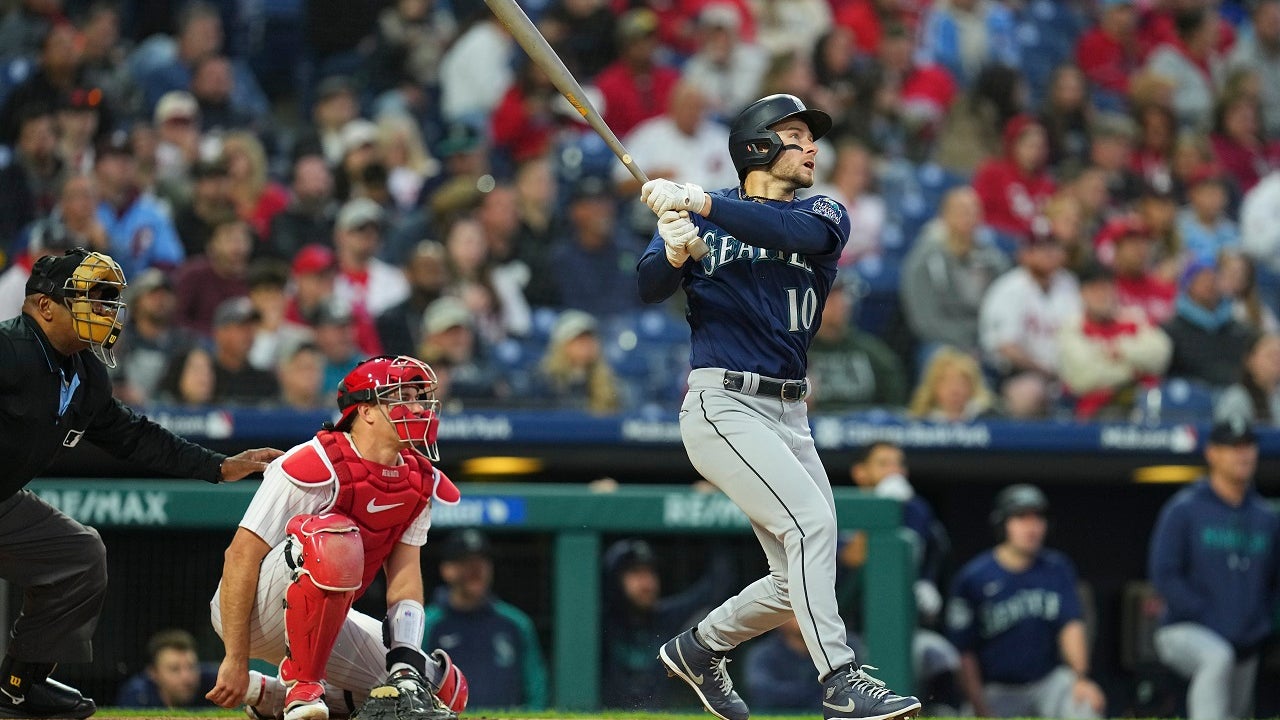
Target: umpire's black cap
(1235,431)
(50,273)
(463,544)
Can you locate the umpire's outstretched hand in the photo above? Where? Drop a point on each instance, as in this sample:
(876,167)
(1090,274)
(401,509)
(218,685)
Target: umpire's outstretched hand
(247,463)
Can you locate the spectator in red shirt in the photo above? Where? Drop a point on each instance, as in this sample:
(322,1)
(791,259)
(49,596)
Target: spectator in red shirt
(1238,142)
(1126,244)
(205,281)
(1014,187)
(523,124)
(1107,52)
(635,87)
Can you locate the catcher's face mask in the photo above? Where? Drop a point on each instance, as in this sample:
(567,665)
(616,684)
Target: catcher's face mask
(93,296)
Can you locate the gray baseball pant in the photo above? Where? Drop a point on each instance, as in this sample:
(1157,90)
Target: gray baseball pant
(758,451)
(1048,697)
(61,567)
(1221,686)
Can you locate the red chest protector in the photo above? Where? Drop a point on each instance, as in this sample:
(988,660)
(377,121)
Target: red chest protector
(382,500)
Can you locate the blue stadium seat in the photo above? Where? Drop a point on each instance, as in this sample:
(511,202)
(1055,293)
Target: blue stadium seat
(1176,400)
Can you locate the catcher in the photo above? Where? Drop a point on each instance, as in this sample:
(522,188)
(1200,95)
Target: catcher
(331,512)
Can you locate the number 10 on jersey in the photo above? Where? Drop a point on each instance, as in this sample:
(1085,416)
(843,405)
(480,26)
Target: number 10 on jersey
(801,310)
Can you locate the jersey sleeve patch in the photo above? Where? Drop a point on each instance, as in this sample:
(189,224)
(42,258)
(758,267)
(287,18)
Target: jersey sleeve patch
(304,467)
(829,209)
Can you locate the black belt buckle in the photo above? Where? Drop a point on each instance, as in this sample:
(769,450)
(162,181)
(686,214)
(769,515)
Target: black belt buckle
(793,390)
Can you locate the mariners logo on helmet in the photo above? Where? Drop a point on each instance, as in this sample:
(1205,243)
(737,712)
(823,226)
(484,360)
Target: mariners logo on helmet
(753,144)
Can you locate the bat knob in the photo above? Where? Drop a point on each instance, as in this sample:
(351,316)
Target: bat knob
(697,248)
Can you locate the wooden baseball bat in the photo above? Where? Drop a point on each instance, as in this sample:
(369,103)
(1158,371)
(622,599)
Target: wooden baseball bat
(539,50)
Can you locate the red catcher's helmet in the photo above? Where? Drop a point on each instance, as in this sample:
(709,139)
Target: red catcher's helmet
(404,388)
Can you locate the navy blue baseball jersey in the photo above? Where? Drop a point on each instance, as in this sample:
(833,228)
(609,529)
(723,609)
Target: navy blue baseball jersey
(1011,620)
(765,281)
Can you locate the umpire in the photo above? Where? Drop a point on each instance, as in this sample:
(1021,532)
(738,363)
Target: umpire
(54,392)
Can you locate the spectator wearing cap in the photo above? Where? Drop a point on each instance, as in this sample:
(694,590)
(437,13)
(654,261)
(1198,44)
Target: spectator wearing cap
(1215,561)
(594,260)
(524,125)
(1260,222)
(31,175)
(79,126)
(400,328)
(300,372)
(1108,53)
(450,345)
(966,35)
(471,83)
(257,198)
(165,63)
(637,616)
(57,73)
(495,641)
(511,265)
(359,151)
(336,104)
(573,372)
(1259,52)
(236,381)
(150,340)
(1013,188)
(1111,139)
(335,336)
(1255,398)
(209,206)
(636,86)
(140,231)
(946,275)
(463,153)
(177,124)
(1203,224)
(365,284)
(73,223)
(1240,146)
(205,281)
(311,275)
(850,368)
(268,280)
(1192,62)
(310,214)
(683,143)
(1127,246)
(102,57)
(1019,322)
(726,68)
(1109,352)
(1208,342)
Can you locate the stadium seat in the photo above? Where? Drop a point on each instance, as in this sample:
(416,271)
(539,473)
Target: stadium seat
(1175,400)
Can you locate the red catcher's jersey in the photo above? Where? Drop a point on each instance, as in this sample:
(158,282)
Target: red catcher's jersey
(381,499)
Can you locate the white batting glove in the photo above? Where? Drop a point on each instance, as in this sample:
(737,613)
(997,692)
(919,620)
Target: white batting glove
(662,195)
(676,230)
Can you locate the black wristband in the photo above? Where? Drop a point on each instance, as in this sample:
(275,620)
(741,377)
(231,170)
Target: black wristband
(409,656)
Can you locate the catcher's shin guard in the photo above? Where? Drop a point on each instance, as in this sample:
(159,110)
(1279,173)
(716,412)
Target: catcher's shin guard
(327,558)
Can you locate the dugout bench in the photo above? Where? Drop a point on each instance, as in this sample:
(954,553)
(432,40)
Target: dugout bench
(576,517)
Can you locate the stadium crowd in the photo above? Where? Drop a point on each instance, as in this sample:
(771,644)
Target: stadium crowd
(1058,207)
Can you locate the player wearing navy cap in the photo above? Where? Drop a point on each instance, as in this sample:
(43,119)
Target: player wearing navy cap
(754,303)
(1015,617)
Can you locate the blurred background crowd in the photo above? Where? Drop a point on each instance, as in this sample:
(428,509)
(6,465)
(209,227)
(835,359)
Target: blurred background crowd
(1059,209)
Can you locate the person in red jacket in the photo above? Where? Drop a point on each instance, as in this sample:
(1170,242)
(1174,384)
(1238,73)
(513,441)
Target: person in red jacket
(1014,188)
(1107,53)
(635,87)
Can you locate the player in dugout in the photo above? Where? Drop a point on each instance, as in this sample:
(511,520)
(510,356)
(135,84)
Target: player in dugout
(754,304)
(54,392)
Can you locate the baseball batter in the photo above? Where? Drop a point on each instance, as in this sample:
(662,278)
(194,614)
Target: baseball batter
(330,513)
(754,304)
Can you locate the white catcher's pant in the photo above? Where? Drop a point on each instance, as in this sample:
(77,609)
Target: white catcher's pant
(358,662)
(758,451)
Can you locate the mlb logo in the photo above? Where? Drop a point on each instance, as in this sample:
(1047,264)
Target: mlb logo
(72,439)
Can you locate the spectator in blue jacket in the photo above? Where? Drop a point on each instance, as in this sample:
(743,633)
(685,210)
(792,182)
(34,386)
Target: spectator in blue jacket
(174,677)
(139,231)
(964,36)
(1214,561)
(492,642)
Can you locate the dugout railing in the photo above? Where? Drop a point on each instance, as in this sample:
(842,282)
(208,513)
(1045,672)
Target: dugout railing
(576,518)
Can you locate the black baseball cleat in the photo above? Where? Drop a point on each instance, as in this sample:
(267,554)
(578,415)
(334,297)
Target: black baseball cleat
(850,693)
(46,699)
(706,673)
(404,696)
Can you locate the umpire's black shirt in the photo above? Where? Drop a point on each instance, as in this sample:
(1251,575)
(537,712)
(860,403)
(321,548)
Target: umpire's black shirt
(36,425)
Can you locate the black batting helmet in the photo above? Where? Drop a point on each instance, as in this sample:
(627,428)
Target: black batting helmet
(1015,500)
(753,144)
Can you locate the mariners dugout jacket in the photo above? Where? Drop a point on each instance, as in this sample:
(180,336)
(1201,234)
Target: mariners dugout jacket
(42,416)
